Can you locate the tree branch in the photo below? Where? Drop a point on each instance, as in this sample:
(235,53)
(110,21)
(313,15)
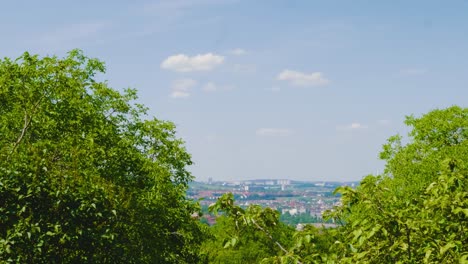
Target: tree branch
(271,238)
(27,124)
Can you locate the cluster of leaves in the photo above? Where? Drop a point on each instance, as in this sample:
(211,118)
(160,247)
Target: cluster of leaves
(416,212)
(245,235)
(83,176)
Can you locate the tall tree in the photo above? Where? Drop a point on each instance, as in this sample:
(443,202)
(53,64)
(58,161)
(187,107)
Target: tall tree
(251,235)
(436,136)
(417,210)
(84,177)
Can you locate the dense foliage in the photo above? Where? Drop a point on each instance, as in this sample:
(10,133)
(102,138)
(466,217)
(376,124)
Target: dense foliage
(417,211)
(83,177)
(245,235)
(244,245)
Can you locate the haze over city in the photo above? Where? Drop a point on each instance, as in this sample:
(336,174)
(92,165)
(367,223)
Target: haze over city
(304,90)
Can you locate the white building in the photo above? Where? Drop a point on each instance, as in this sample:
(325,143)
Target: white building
(283,182)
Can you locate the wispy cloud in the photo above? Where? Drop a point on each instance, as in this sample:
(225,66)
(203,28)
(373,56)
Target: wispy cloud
(210,87)
(237,52)
(413,71)
(161,16)
(303,79)
(352,126)
(182,88)
(179,7)
(184,63)
(73,35)
(274,132)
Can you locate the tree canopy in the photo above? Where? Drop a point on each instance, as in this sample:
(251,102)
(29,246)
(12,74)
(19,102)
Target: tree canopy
(417,210)
(84,176)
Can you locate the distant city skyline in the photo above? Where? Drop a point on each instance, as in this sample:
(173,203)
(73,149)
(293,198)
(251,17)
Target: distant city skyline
(303,90)
(269,181)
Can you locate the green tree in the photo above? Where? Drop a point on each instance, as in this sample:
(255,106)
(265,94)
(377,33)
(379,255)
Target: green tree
(83,176)
(417,210)
(247,235)
(439,135)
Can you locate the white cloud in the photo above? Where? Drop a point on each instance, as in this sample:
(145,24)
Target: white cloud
(353,126)
(184,63)
(210,87)
(413,71)
(274,132)
(238,52)
(213,87)
(181,88)
(303,79)
(357,126)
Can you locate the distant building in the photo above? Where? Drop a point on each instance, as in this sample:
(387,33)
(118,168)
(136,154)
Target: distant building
(269,182)
(210,180)
(293,211)
(283,182)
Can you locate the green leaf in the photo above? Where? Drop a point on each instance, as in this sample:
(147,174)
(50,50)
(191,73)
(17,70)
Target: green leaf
(446,247)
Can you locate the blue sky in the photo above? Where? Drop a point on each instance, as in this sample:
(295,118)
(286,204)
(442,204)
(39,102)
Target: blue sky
(306,90)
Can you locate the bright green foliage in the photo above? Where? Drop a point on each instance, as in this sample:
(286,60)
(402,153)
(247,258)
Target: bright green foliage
(436,136)
(246,235)
(231,244)
(83,177)
(314,245)
(417,211)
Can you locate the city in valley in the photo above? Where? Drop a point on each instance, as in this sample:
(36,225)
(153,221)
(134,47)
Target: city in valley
(299,202)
